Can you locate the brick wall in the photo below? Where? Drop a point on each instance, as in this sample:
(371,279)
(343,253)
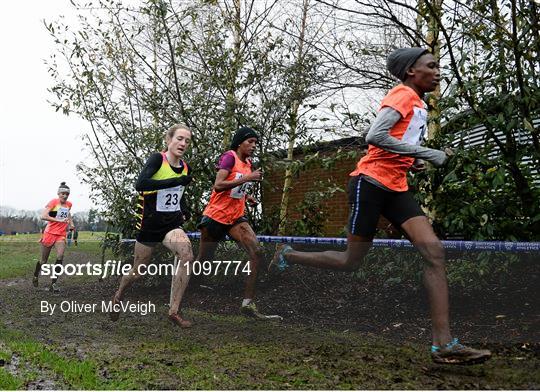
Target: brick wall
(337,207)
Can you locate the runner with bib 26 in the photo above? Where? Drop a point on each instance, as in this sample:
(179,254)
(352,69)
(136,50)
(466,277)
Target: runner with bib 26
(58,216)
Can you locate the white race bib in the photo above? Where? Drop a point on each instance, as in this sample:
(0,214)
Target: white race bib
(168,200)
(240,191)
(62,213)
(417,128)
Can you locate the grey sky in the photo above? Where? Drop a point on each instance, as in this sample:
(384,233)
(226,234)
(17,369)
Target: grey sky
(39,147)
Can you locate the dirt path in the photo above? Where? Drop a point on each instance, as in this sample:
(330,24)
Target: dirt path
(337,334)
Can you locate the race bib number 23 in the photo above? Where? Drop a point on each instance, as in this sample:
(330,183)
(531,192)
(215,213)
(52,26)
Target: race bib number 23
(168,200)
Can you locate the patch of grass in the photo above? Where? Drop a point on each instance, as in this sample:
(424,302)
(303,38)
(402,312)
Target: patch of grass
(5,354)
(18,258)
(19,254)
(20,380)
(7,380)
(84,236)
(77,374)
(10,382)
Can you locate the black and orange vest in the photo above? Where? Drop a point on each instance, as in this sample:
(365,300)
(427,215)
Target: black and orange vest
(160,210)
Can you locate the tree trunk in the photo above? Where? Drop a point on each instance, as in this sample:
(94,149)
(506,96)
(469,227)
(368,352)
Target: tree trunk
(297,93)
(230,101)
(432,38)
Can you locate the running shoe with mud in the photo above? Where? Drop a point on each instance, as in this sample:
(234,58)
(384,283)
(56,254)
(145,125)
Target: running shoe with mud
(176,319)
(35,281)
(279,263)
(455,353)
(250,310)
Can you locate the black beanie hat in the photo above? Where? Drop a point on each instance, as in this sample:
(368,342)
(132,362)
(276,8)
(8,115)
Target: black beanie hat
(400,60)
(63,187)
(242,134)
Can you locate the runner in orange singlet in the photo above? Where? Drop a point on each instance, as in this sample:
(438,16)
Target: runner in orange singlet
(378,186)
(224,213)
(58,217)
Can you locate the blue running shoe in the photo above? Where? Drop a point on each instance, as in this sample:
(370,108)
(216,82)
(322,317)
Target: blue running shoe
(278,261)
(455,353)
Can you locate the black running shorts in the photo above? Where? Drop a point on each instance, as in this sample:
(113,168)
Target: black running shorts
(151,238)
(368,202)
(218,230)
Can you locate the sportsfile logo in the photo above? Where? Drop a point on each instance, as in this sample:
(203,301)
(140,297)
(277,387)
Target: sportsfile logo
(114,267)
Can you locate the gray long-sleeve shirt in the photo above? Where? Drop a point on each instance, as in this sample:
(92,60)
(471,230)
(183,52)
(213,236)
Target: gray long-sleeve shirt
(379,136)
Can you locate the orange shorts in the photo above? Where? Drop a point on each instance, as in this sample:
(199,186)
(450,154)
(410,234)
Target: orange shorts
(49,239)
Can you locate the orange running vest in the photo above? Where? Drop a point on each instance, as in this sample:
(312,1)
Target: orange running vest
(227,206)
(388,168)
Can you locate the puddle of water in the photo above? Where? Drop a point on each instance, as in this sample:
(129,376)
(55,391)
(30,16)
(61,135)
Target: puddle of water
(41,383)
(13,282)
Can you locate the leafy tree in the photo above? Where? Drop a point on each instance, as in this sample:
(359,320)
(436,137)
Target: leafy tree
(489,52)
(494,67)
(293,71)
(133,71)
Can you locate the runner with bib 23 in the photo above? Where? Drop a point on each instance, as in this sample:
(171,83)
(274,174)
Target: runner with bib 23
(162,211)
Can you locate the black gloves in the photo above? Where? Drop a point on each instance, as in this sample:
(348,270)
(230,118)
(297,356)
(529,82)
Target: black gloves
(184,180)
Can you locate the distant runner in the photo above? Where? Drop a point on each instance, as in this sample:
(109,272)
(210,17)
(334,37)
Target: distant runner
(58,217)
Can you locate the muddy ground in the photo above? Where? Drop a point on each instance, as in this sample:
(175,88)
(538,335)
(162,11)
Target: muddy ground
(337,333)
